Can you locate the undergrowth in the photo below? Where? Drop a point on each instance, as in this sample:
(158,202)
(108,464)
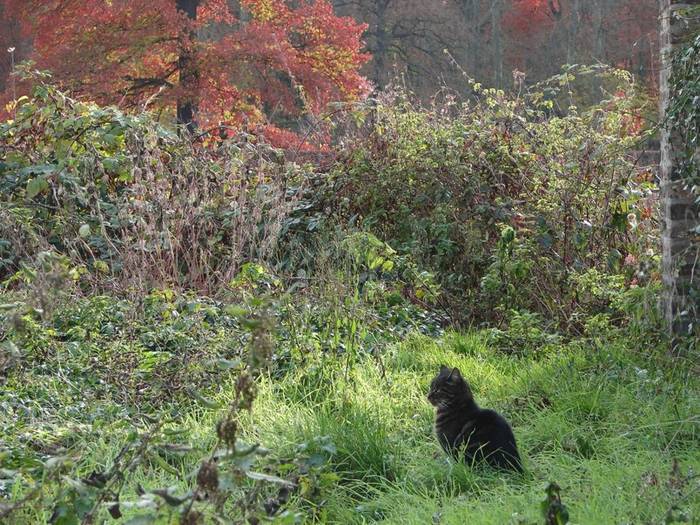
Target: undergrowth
(347,436)
(223,335)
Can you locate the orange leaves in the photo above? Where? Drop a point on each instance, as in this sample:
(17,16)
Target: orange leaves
(330,45)
(531,16)
(267,10)
(300,58)
(98,47)
(283,58)
(215,11)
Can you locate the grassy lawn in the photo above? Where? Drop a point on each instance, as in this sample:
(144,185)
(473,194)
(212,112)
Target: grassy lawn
(604,421)
(592,420)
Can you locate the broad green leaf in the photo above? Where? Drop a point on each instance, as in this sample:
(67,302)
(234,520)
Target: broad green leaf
(164,465)
(101,266)
(9,306)
(203,400)
(226,364)
(36,186)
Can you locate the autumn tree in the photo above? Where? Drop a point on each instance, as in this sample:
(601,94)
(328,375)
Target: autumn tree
(233,66)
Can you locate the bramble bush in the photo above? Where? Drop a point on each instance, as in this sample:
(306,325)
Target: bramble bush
(131,202)
(97,200)
(496,204)
(508,199)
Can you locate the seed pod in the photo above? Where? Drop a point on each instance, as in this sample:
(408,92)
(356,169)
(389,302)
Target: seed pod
(208,476)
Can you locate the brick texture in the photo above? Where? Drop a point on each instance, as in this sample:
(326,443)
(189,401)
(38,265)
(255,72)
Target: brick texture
(680,211)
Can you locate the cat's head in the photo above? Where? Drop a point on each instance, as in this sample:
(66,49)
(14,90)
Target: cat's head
(447,387)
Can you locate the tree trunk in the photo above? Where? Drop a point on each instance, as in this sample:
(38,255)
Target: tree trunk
(497,41)
(470,14)
(187,65)
(680,248)
(572,39)
(382,45)
(600,12)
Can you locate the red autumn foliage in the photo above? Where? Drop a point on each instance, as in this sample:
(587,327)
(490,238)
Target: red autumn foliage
(622,33)
(271,61)
(531,17)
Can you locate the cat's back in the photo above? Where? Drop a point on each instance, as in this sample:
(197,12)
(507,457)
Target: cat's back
(486,415)
(493,428)
(494,425)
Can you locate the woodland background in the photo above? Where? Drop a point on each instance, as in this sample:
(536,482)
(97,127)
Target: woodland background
(429,45)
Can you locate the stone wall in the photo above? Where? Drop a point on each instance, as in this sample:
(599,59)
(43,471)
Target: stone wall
(680,212)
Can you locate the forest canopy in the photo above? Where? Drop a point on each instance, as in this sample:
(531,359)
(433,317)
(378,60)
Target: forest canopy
(258,65)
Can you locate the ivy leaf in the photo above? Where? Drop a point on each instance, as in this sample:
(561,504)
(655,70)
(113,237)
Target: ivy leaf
(36,186)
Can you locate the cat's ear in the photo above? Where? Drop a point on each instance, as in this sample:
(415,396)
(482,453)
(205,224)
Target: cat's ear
(444,369)
(455,375)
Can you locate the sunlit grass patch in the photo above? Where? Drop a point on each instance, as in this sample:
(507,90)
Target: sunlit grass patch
(355,433)
(592,422)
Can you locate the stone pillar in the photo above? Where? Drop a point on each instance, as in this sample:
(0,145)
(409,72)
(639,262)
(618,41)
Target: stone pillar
(680,243)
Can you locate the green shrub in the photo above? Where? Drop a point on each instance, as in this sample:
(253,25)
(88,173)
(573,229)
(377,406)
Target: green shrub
(129,200)
(448,183)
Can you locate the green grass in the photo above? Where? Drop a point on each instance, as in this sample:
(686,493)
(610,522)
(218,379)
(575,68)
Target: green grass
(604,421)
(593,421)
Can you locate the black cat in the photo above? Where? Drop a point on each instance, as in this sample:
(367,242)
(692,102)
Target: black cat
(462,427)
